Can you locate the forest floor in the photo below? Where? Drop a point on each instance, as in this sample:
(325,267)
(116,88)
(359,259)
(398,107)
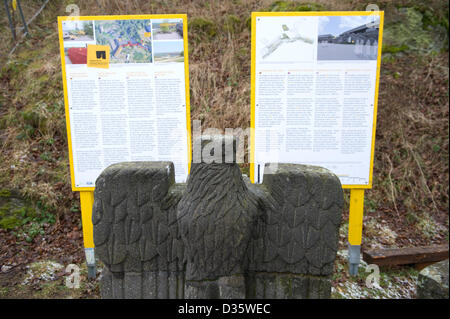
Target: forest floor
(40,224)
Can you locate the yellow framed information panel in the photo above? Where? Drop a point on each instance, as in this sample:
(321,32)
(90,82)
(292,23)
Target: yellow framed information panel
(314,94)
(126,94)
(320,71)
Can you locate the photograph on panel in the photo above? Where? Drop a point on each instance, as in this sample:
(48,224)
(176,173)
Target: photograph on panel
(130,41)
(348,37)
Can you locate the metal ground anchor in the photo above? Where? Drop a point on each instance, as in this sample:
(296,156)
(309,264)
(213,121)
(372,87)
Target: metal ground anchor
(354,255)
(90,262)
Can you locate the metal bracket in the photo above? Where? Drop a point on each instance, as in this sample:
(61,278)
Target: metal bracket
(90,262)
(354,255)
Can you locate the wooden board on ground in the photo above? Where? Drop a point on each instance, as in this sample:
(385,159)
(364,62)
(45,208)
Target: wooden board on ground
(405,256)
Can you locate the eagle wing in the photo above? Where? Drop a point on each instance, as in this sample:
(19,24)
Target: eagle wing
(134,217)
(298,232)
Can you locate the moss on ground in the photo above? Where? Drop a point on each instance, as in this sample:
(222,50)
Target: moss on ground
(394,49)
(24,218)
(13,211)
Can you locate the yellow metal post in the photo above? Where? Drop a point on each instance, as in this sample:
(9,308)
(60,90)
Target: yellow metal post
(355,225)
(87,203)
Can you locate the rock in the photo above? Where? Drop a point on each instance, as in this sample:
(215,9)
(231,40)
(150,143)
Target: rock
(44,270)
(5,268)
(433,281)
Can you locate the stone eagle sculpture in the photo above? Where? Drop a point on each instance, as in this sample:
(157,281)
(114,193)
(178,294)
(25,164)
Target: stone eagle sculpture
(218,235)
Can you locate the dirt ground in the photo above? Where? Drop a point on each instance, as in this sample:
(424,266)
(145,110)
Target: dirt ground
(46,280)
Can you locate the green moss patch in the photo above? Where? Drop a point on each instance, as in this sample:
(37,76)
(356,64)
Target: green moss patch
(23,218)
(394,49)
(5,193)
(14,212)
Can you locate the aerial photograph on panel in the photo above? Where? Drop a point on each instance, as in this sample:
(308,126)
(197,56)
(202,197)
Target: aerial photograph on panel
(129,40)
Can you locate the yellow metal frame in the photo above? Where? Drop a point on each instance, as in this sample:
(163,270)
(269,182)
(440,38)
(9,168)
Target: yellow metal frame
(356,191)
(355,218)
(87,193)
(86,203)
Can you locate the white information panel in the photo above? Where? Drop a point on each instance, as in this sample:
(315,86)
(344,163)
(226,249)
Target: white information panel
(137,107)
(314,92)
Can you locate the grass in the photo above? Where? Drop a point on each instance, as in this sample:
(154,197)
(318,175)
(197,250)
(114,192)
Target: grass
(410,192)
